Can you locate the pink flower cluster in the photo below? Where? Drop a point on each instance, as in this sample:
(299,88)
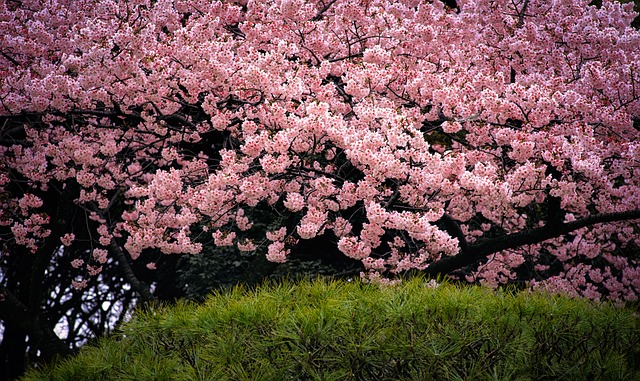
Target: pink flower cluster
(374,121)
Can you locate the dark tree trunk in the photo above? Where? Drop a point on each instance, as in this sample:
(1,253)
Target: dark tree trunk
(13,351)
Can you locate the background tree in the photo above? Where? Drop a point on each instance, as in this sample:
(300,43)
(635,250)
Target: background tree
(492,140)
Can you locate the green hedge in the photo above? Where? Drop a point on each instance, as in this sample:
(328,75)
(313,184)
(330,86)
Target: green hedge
(322,330)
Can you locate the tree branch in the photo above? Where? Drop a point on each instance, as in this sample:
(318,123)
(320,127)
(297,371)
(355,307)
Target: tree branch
(522,14)
(11,59)
(484,248)
(140,287)
(321,12)
(453,228)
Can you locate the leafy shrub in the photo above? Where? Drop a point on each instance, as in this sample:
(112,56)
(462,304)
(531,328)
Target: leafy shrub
(337,330)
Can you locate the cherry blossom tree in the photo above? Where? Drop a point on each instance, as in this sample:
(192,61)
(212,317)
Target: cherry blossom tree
(493,140)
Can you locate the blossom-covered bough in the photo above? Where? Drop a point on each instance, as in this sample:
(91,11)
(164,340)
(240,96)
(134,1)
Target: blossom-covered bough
(498,140)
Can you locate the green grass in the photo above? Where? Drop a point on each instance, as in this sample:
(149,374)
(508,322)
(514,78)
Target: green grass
(325,330)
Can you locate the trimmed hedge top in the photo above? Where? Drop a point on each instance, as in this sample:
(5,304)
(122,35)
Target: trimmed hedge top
(336,330)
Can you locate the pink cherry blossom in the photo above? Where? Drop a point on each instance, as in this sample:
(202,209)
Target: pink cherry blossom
(496,142)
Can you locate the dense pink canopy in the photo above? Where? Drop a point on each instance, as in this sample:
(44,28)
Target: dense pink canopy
(493,137)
